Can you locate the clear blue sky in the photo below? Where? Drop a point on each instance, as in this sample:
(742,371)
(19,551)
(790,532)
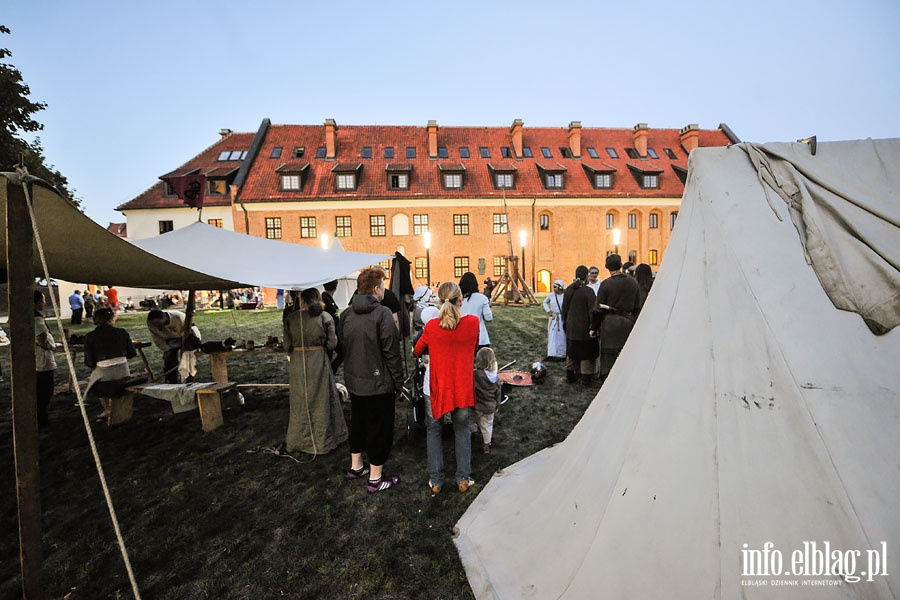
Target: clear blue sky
(134,89)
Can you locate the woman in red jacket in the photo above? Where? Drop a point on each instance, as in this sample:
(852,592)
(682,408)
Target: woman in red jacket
(450,341)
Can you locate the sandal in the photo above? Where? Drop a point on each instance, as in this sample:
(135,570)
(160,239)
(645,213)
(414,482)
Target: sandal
(357,473)
(382,483)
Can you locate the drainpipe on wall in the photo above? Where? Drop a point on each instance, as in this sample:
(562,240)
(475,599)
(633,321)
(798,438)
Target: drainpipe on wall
(533,247)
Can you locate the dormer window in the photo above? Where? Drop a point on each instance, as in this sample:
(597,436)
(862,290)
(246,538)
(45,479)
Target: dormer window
(601,175)
(346,176)
(215,187)
(646,175)
(398,176)
(503,176)
(553,176)
(452,175)
(503,180)
(292,176)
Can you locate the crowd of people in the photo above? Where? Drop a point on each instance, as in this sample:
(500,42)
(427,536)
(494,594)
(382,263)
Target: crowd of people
(589,322)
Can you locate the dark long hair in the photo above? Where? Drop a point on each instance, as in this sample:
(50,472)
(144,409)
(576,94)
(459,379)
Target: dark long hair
(313,301)
(644,277)
(468,284)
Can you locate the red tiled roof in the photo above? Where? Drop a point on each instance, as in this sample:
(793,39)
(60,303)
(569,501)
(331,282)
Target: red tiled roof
(262,180)
(155,196)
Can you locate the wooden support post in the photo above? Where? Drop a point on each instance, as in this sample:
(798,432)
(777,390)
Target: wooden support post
(210,403)
(19,261)
(219,366)
(120,409)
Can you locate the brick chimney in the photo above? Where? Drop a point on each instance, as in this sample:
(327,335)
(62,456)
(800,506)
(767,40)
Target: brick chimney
(690,137)
(640,138)
(330,129)
(516,133)
(432,139)
(225,133)
(575,138)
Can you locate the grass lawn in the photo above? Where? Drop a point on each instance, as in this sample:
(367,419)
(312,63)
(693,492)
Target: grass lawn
(217,515)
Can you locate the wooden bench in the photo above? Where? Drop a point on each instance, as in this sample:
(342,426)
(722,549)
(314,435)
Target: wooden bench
(209,401)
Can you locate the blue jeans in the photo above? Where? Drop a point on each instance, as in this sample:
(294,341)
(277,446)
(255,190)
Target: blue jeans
(463,444)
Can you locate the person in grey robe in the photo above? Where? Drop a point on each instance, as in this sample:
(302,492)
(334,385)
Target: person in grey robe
(316,423)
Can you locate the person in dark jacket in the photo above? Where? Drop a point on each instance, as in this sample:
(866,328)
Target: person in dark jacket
(373,374)
(618,304)
(581,349)
(107,350)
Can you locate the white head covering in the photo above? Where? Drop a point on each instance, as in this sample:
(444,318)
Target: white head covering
(422,295)
(560,283)
(429,313)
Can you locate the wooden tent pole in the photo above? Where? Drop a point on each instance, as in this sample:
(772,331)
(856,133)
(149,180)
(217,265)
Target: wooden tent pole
(19,260)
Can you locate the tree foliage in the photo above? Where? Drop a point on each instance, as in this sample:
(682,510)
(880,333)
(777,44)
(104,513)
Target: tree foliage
(16,118)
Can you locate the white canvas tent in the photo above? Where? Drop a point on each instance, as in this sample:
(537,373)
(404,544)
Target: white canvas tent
(259,261)
(745,408)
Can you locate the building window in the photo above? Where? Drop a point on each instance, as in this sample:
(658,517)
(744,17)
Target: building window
(654,257)
(632,153)
(565,152)
(460,224)
(232,155)
(603,181)
(464,152)
(289,183)
(386,265)
(610,220)
(367,152)
(442,152)
(410,152)
(499,266)
(452,181)
(545,222)
(650,181)
(460,266)
(592,152)
(342,227)
(612,153)
(546,152)
(504,152)
(500,223)
(503,180)
(273,228)
(215,222)
(632,220)
(320,152)
(526,152)
(421,267)
(485,152)
(654,221)
(554,180)
(632,256)
(276,152)
(308,227)
(377,227)
(672,218)
(216,186)
(166,227)
(398,181)
(420,224)
(299,151)
(652,153)
(670,154)
(346,181)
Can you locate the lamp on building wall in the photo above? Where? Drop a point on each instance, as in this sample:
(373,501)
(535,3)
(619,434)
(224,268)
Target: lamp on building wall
(522,235)
(616,236)
(427,235)
(324,237)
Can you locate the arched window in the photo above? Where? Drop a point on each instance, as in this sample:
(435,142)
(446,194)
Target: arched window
(545,222)
(654,257)
(400,224)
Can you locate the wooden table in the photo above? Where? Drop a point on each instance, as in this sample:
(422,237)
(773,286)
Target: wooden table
(138,345)
(209,401)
